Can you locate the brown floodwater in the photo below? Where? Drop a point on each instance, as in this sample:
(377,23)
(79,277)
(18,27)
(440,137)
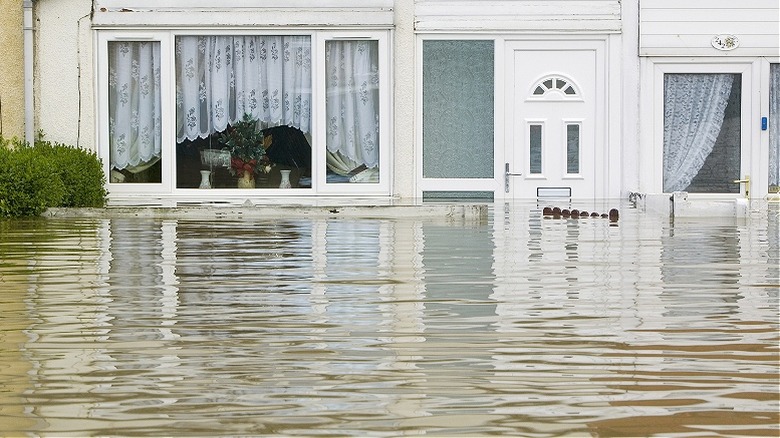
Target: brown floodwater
(513,325)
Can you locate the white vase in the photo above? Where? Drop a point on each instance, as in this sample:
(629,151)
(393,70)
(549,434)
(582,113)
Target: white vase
(285,180)
(205,179)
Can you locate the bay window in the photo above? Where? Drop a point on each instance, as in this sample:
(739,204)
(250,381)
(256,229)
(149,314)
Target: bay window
(291,113)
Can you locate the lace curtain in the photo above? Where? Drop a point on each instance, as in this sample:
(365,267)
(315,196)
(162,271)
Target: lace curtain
(694,106)
(774,125)
(220,78)
(352,103)
(134,104)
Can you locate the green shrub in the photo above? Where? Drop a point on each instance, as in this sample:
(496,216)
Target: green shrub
(81,172)
(28,185)
(33,179)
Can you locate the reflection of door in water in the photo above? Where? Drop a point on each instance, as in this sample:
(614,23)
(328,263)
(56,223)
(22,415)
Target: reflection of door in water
(552,110)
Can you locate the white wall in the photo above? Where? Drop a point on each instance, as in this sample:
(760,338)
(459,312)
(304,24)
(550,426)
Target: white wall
(630,100)
(518,15)
(63,84)
(244,12)
(686,28)
(404,100)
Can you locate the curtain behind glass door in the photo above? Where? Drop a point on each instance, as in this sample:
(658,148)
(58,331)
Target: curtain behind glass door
(702,132)
(774,128)
(352,111)
(135,133)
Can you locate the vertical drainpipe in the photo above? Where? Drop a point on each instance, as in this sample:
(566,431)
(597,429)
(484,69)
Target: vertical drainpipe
(29,110)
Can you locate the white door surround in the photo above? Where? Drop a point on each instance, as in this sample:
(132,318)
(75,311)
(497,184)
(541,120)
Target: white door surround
(754,86)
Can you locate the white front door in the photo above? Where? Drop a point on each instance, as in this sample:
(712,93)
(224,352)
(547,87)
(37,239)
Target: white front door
(552,106)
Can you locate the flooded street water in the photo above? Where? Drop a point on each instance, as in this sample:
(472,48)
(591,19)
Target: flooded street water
(514,325)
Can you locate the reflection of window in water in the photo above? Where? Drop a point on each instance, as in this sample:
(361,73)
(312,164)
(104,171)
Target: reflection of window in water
(460,263)
(135,279)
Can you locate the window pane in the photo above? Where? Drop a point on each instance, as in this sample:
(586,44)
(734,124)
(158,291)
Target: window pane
(458,109)
(702,132)
(572,148)
(774,128)
(134,129)
(535,148)
(352,111)
(243,111)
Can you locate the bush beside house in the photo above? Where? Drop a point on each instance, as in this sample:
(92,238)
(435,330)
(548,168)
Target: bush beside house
(45,175)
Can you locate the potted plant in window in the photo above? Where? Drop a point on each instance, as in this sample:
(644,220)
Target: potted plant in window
(247,155)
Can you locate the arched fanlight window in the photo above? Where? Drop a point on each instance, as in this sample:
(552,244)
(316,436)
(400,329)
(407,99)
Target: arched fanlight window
(555,87)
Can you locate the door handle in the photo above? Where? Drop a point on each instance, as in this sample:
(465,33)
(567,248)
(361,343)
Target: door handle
(507,174)
(746,182)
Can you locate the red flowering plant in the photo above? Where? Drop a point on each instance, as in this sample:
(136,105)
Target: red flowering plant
(245,142)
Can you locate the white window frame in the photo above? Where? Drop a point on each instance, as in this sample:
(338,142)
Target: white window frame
(494,183)
(652,119)
(763,111)
(167,186)
(385,127)
(166,106)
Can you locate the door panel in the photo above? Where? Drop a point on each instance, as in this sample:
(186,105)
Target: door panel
(552,111)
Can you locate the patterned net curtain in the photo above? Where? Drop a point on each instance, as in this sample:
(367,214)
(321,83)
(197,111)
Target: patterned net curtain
(134,104)
(694,109)
(220,78)
(774,128)
(352,104)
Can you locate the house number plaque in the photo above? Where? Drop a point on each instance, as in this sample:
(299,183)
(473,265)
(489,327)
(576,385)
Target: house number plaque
(725,42)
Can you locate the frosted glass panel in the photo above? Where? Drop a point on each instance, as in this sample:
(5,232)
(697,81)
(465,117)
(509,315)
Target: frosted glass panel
(457,109)
(535,148)
(572,149)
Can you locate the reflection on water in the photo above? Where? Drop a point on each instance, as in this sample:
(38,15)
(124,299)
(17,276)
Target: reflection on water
(519,325)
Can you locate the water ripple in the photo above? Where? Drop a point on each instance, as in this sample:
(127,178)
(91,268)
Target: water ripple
(517,326)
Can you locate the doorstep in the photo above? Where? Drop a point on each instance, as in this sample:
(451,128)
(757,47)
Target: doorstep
(467,212)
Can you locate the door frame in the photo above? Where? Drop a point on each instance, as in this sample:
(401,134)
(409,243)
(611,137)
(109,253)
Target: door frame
(763,111)
(652,121)
(606,107)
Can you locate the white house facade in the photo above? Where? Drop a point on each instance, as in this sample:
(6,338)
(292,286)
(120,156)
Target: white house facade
(710,84)
(416,99)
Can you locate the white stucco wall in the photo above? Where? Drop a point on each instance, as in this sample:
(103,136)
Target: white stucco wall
(630,99)
(64,72)
(403,99)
